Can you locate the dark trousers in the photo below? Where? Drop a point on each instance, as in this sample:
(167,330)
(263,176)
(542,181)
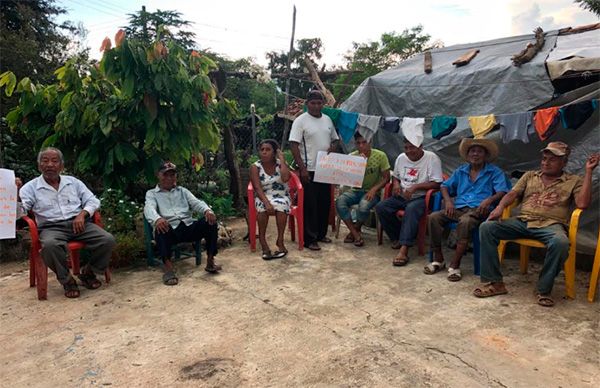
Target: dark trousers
(317,202)
(405,229)
(54,239)
(197,231)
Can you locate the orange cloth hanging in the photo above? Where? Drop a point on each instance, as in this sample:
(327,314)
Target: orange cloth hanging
(543,120)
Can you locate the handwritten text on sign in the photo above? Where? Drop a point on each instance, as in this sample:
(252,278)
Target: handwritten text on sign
(340,169)
(8,203)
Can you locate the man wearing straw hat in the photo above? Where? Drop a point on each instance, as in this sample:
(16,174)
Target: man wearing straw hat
(475,186)
(546,198)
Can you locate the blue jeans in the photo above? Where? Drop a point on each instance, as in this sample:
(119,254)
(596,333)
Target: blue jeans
(403,230)
(355,197)
(553,236)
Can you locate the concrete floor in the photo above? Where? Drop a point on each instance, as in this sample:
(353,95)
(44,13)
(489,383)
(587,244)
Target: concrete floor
(340,317)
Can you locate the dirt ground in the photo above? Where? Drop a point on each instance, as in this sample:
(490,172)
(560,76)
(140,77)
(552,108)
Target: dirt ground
(339,317)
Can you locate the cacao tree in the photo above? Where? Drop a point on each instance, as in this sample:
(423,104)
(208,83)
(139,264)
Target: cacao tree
(142,103)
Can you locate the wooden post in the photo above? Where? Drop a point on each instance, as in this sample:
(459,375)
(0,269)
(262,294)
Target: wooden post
(286,123)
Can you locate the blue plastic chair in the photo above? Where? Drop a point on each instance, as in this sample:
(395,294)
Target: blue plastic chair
(178,252)
(437,205)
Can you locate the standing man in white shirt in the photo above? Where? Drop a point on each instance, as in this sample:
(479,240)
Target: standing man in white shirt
(415,172)
(169,210)
(312,132)
(63,207)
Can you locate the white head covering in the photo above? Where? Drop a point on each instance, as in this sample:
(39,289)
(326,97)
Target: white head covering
(412,130)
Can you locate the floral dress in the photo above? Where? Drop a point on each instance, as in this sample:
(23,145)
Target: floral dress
(275,190)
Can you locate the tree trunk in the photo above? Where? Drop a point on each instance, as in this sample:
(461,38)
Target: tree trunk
(235,184)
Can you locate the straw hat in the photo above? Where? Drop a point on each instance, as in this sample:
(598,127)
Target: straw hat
(489,145)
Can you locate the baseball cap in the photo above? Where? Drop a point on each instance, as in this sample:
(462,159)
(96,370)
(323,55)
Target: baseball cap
(558,148)
(167,166)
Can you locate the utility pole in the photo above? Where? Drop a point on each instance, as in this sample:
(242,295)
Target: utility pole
(144,26)
(286,122)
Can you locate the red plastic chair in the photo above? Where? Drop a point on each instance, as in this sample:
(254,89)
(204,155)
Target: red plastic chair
(38,272)
(400,213)
(296,212)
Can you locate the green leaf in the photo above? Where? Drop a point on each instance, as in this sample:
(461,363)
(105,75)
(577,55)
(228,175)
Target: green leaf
(13,117)
(10,84)
(106,128)
(50,141)
(128,85)
(66,101)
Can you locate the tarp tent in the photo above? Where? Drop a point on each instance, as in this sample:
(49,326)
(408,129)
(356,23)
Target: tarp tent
(490,83)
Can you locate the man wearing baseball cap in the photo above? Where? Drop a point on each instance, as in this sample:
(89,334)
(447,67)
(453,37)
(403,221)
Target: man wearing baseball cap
(476,187)
(169,210)
(546,197)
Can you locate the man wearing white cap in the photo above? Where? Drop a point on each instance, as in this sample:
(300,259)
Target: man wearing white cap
(476,187)
(415,172)
(547,196)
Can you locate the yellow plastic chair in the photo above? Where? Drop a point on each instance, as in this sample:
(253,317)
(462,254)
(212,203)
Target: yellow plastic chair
(526,244)
(595,272)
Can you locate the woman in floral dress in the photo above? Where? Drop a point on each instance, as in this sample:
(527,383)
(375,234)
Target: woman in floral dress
(269,176)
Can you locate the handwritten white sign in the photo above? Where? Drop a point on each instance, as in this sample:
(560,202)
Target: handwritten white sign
(8,204)
(340,169)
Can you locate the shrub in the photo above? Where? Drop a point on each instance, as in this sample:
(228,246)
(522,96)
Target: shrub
(118,211)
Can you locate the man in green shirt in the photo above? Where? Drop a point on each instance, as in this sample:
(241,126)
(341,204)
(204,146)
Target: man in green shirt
(377,174)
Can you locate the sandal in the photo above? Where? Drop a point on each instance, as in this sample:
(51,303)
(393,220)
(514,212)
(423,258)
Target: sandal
(434,267)
(71,289)
(545,300)
(396,245)
(214,268)
(266,255)
(359,243)
(89,281)
(488,289)
(279,254)
(454,274)
(349,238)
(400,261)
(170,279)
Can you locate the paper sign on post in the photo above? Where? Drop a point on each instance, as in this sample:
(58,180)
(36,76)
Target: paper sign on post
(340,169)
(8,204)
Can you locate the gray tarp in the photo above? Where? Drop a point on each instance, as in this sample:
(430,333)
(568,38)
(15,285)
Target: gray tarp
(489,84)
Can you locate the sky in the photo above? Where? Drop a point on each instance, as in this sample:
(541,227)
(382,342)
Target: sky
(241,28)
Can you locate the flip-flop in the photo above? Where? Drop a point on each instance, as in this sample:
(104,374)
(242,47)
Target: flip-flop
(454,274)
(349,238)
(89,281)
(71,290)
(400,261)
(266,255)
(279,254)
(313,247)
(545,300)
(434,267)
(486,290)
(215,268)
(170,279)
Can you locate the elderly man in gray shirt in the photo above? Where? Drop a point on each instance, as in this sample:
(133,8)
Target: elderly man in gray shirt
(169,210)
(63,207)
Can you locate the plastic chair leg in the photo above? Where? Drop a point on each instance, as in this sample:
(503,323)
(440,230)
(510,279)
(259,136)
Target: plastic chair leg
(292,227)
(594,275)
(74,258)
(524,258)
(252,234)
(501,250)
(300,221)
(338,222)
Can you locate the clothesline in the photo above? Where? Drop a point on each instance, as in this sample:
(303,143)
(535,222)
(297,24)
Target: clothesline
(514,126)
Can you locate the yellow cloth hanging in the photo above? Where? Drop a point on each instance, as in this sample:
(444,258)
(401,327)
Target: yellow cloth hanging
(481,125)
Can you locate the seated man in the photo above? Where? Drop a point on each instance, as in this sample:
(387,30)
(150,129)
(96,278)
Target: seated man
(476,186)
(547,196)
(415,172)
(169,209)
(377,175)
(63,207)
